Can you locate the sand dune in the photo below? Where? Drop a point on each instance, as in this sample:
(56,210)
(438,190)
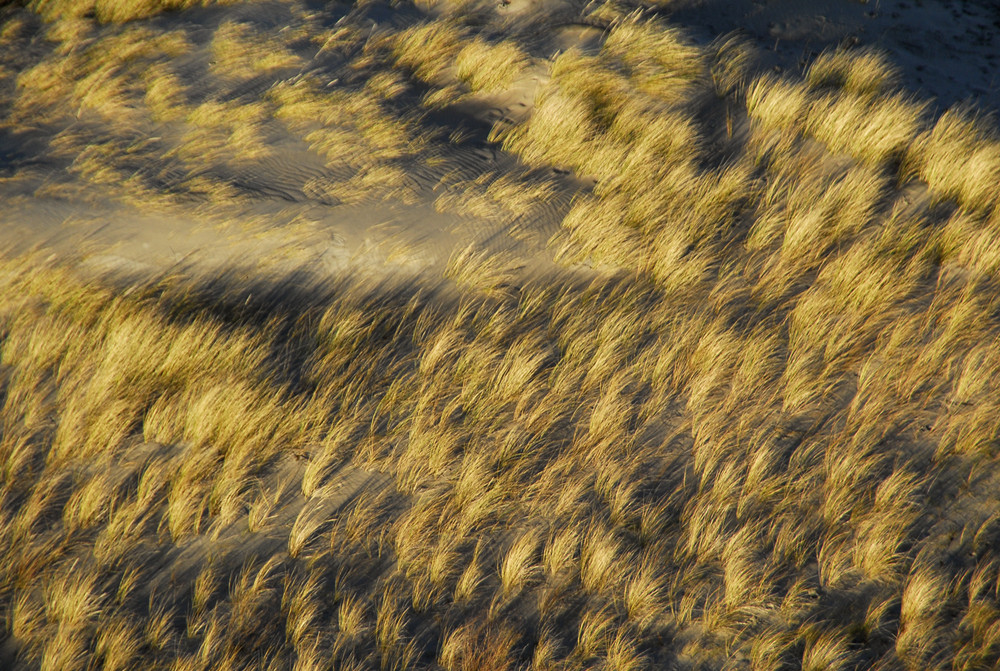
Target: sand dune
(471,336)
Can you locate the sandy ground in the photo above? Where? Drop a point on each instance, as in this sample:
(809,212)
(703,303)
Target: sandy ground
(277,212)
(948,51)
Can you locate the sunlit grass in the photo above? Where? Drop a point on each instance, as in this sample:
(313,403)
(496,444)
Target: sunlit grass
(760,430)
(116,10)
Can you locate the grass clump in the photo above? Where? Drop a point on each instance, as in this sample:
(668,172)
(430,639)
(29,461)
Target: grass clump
(861,72)
(959,158)
(872,130)
(777,104)
(115,11)
(240,51)
(490,67)
(429,50)
(620,118)
(661,60)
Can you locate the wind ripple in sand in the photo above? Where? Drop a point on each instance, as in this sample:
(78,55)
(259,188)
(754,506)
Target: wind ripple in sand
(289,176)
(454,164)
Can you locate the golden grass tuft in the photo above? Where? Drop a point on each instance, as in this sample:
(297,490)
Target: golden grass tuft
(959,158)
(872,130)
(240,51)
(429,49)
(777,103)
(859,71)
(490,67)
(661,59)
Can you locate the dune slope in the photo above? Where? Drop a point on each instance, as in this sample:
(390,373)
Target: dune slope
(460,336)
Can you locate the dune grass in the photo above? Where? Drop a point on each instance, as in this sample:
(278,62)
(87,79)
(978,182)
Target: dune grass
(116,11)
(696,484)
(763,434)
(488,67)
(238,50)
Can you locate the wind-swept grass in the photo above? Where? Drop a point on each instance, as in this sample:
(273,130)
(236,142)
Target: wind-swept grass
(116,11)
(658,507)
(490,67)
(761,430)
(240,51)
(960,158)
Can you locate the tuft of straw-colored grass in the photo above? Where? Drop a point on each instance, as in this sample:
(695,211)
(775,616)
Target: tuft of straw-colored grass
(239,51)
(519,565)
(490,67)
(872,130)
(776,103)
(429,49)
(859,71)
(959,158)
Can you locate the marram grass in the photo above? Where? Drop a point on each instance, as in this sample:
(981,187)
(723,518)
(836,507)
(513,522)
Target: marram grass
(765,436)
(566,474)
